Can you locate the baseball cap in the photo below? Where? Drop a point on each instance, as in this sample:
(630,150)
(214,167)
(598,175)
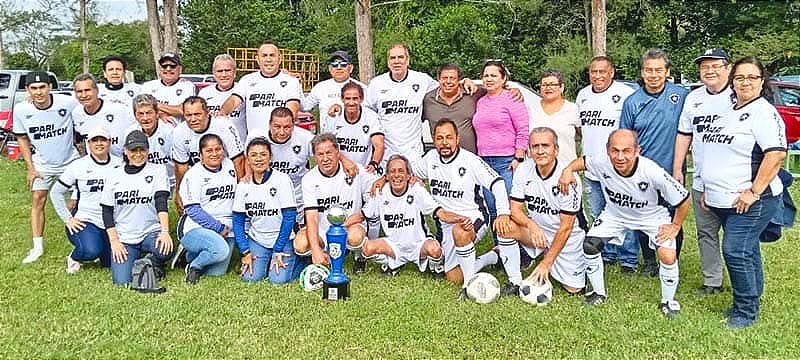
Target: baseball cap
(340,54)
(36,77)
(171,57)
(136,139)
(98,131)
(715,53)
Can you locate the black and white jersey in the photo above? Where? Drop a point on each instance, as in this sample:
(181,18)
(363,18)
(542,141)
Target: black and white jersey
(599,114)
(355,139)
(322,192)
(173,94)
(326,94)
(186,142)
(699,113)
(456,182)
(261,94)
(86,176)
(401,215)
(291,158)
(734,149)
(212,190)
(50,132)
(160,143)
(399,107)
(132,196)
(216,97)
(123,96)
(114,117)
(262,204)
(634,199)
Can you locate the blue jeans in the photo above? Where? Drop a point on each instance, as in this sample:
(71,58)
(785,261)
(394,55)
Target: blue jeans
(90,243)
(500,164)
(263,259)
(207,251)
(741,249)
(121,273)
(628,253)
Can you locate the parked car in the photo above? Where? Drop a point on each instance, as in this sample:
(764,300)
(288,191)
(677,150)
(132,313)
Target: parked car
(306,121)
(12,91)
(200,80)
(786,98)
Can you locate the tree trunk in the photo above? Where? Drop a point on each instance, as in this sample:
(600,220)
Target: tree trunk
(587,23)
(2,52)
(366,62)
(155,30)
(599,27)
(170,26)
(84,38)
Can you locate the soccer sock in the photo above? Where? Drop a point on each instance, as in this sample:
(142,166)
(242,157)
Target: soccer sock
(38,243)
(465,255)
(373,228)
(509,253)
(594,271)
(436,264)
(669,275)
(489,258)
(357,255)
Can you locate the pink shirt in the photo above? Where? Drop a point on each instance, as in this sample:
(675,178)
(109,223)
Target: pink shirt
(501,125)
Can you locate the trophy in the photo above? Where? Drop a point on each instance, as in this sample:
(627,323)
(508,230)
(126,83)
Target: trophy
(337,285)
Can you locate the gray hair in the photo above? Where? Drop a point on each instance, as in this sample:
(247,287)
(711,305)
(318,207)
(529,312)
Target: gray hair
(398,157)
(655,53)
(554,73)
(545,129)
(223,57)
(85,77)
(321,138)
(144,100)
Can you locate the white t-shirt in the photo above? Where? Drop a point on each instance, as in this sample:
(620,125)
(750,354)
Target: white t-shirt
(186,142)
(599,114)
(291,158)
(563,122)
(401,215)
(326,94)
(132,196)
(262,204)
(261,94)
(216,97)
(355,140)
(87,177)
(734,148)
(173,94)
(212,190)
(321,192)
(399,107)
(50,132)
(115,117)
(160,147)
(123,96)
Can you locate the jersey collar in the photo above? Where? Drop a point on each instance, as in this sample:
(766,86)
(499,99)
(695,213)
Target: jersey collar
(165,84)
(264,178)
(338,168)
(98,108)
(47,107)
(269,133)
(452,158)
(408,71)
(548,175)
(115,87)
(737,107)
(98,162)
(408,186)
(220,90)
(633,171)
(269,77)
(360,112)
(208,125)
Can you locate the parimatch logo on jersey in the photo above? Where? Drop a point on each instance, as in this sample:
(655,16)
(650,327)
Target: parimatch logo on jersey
(265,100)
(259,209)
(396,221)
(398,107)
(46,131)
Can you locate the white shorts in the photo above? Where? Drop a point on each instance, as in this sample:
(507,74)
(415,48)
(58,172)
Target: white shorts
(406,251)
(610,227)
(324,238)
(45,182)
(448,245)
(569,268)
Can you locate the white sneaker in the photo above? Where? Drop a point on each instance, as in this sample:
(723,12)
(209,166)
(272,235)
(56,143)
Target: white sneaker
(33,255)
(72,265)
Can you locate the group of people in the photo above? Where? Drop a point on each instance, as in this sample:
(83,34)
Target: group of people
(240,174)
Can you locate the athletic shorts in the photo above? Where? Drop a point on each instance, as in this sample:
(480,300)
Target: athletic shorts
(406,251)
(610,227)
(569,268)
(45,182)
(448,245)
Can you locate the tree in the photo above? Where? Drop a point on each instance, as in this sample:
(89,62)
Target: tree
(163,28)
(366,61)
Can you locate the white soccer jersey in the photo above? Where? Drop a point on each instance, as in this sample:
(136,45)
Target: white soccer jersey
(261,94)
(700,111)
(123,96)
(399,106)
(401,215)
(262,204)
(355,139)
(599,114)
(174,94)
(291,158)
(212,190)
(326,94)
(322,192)
(734,148)
(50,132)
(116,118)
(186,142)
(132,197)
(216,97)
(456,183)
(87,176)
(634,199)
(160,143)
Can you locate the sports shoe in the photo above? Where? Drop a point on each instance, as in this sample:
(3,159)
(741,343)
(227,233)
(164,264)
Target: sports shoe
(627,270)
(192,275)
(611,262)
(462,295)
(437,270)
(738,322)
(389,272)
(650,270)
(359,266)
(594,298)
(670,309)
(509,289)
(708,290)
(179,260)
(72,265)
(728,312)
(33,255)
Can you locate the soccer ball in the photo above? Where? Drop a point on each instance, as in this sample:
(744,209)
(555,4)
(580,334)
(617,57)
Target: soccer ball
(534,293)
(483,288)
(311,278)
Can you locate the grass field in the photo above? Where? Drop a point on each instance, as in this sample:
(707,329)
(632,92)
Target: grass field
(45,313)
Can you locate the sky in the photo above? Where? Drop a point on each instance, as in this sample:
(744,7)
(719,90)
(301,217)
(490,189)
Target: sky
(110,10)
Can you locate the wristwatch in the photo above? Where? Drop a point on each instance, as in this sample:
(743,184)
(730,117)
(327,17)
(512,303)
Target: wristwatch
(519,159)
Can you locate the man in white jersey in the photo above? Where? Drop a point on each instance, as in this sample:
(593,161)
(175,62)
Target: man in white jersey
(329,92)
(328,185)
(44,129)
(554,226)
(702,108)
(159,133)
(116,118)
(600,106)
(633,186)
(170,90)
(263,91)
(359,130)
(224,70)
(116,89)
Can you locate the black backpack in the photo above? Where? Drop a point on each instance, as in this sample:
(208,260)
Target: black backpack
(145,279)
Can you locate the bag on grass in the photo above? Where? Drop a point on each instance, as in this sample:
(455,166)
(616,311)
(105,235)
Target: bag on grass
(144,277)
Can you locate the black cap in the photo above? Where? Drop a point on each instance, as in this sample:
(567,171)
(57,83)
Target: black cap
(340,54)
(136,139)
(715,53)
(171,57)
(36,77)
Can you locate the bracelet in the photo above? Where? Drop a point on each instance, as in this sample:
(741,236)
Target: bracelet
(374,163)
(757,196)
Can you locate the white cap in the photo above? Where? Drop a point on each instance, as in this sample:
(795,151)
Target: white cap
(98,131)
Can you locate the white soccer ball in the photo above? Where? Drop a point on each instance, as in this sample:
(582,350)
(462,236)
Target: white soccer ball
(535,293)
(312,277)
(483,288)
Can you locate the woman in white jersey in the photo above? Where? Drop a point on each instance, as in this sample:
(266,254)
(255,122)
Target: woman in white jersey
(86,176)
(265,200)
(207,191)
(134,203)
(557,113)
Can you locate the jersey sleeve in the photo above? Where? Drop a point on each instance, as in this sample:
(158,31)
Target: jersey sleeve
(592,165)
(311,100)
(240,197)
(427,204)
(286,192)
(420,167)
(627,115)
(671,190)
(770,133)
(376,127)
(191,188)
(68,177)
(371,208)
(230,137)
(295,90)
(162,179)
(310,196)
(685,126)
(18,128)
(518,183)
(179,152)
(240,90)
(571,202)
(431,83)
(107,196)
(370,97)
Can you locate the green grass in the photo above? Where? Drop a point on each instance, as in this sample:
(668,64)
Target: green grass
(45,313)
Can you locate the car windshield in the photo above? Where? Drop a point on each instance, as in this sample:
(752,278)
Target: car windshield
(789,96)
(5,81)
(193,78)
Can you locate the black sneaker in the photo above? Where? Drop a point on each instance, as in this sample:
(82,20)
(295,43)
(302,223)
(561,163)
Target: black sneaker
(462,295)
(192,275)
(509,289)
(670,309)
(650,270)
(627,270)
(594,298)
(359,266)
(608,263)
(179,260)
(389,272)
(708,290)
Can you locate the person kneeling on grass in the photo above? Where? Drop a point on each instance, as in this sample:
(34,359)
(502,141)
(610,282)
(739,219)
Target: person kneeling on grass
(267,201)
(134,203)
(207,190)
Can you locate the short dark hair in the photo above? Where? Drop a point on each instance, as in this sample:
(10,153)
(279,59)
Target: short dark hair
(449,66)
(259,141)
(655,53)
(554,73)
(605,58)
(280,111)
(111,58)
(352,85)
(321,138)
(206,139)
(194,100)
(443,122)
(269,42)
(85,77)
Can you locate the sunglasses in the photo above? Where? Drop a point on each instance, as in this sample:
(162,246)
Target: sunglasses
(340,63)
(168,66)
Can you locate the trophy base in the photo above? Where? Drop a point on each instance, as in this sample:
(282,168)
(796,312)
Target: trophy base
(333,292)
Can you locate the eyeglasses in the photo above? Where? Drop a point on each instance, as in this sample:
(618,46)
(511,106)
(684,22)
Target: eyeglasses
(751,78)
(339,64)
(715,67)
(550,85)
(168,66)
